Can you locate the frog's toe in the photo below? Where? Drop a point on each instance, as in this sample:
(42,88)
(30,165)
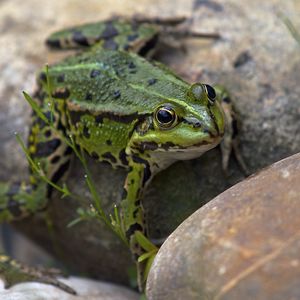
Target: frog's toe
(55,282)
(12,273)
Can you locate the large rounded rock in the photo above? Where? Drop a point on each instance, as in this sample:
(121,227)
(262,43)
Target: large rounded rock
(244,244)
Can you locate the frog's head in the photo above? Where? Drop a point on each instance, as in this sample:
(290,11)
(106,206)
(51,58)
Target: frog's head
(179,130)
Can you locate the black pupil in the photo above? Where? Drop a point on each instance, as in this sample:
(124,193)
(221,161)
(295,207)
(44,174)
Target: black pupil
(164,116)
(211,92)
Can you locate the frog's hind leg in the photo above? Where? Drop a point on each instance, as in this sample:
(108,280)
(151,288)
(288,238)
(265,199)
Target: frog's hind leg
(112,34)
(17,200)
(50,155)
(230,143)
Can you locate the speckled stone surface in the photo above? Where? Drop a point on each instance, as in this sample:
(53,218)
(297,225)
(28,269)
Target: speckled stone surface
(256,59)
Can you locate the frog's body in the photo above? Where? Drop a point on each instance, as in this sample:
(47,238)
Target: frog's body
(119,108)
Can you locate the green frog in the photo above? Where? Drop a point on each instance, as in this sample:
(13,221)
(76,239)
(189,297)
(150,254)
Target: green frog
(121,108)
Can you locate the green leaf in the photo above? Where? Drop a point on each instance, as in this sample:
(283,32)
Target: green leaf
(35,107)
(146,255)
(32,164)
(148,267)
(290,26)
(144,242)
(74,222)
(143,297)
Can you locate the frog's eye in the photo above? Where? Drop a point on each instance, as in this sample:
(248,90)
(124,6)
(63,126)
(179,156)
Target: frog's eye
(210,91)
(165,117)
(200,92)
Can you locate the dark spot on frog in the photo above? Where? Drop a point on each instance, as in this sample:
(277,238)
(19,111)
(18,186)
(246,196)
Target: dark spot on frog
(131,65)
(126,47)
(110,45)
(61,93)
(139,160)
(209,4)
(126,119)
(235,129)
(148,146)
(53,43)
(242,59)
(109,31)
(68,151)
(43,77)
(166,146)
(147,171)
(124,193)
(135,212)
(135,25)
(75,117)
(132,37)
(59,173)
(14,208)
(149,45)
(44,149)
(61,127)
(123,157)
(95,73)
(132,181)
(80,39)
(48,133)
(109,156)
(147,174)
(61,78)
(55,159)
(88,97)
(40,95)
(86,132)
(41,123)
(99,119)
(108,142)
(95,155)
(13,190)
(132,229)
(137,202)
(116,94)
(152,81)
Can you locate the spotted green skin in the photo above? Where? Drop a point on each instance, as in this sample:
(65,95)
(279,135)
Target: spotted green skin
(106,98)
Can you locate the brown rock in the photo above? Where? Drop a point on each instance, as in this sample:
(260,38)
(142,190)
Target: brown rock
(244,244)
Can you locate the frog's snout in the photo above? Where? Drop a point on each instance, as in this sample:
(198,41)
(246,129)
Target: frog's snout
(210,126)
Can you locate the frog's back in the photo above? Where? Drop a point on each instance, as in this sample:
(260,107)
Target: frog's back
(115,82)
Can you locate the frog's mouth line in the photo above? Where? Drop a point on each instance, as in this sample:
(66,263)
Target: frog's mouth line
(171,147)
(166,157)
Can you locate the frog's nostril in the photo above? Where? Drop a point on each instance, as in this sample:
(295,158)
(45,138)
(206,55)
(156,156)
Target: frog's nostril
(197,124)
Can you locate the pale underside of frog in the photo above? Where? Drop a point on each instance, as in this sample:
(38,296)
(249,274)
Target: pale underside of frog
(119,108)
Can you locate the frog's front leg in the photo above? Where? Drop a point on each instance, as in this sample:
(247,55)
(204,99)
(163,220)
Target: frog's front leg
(132,210)
(230,142)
